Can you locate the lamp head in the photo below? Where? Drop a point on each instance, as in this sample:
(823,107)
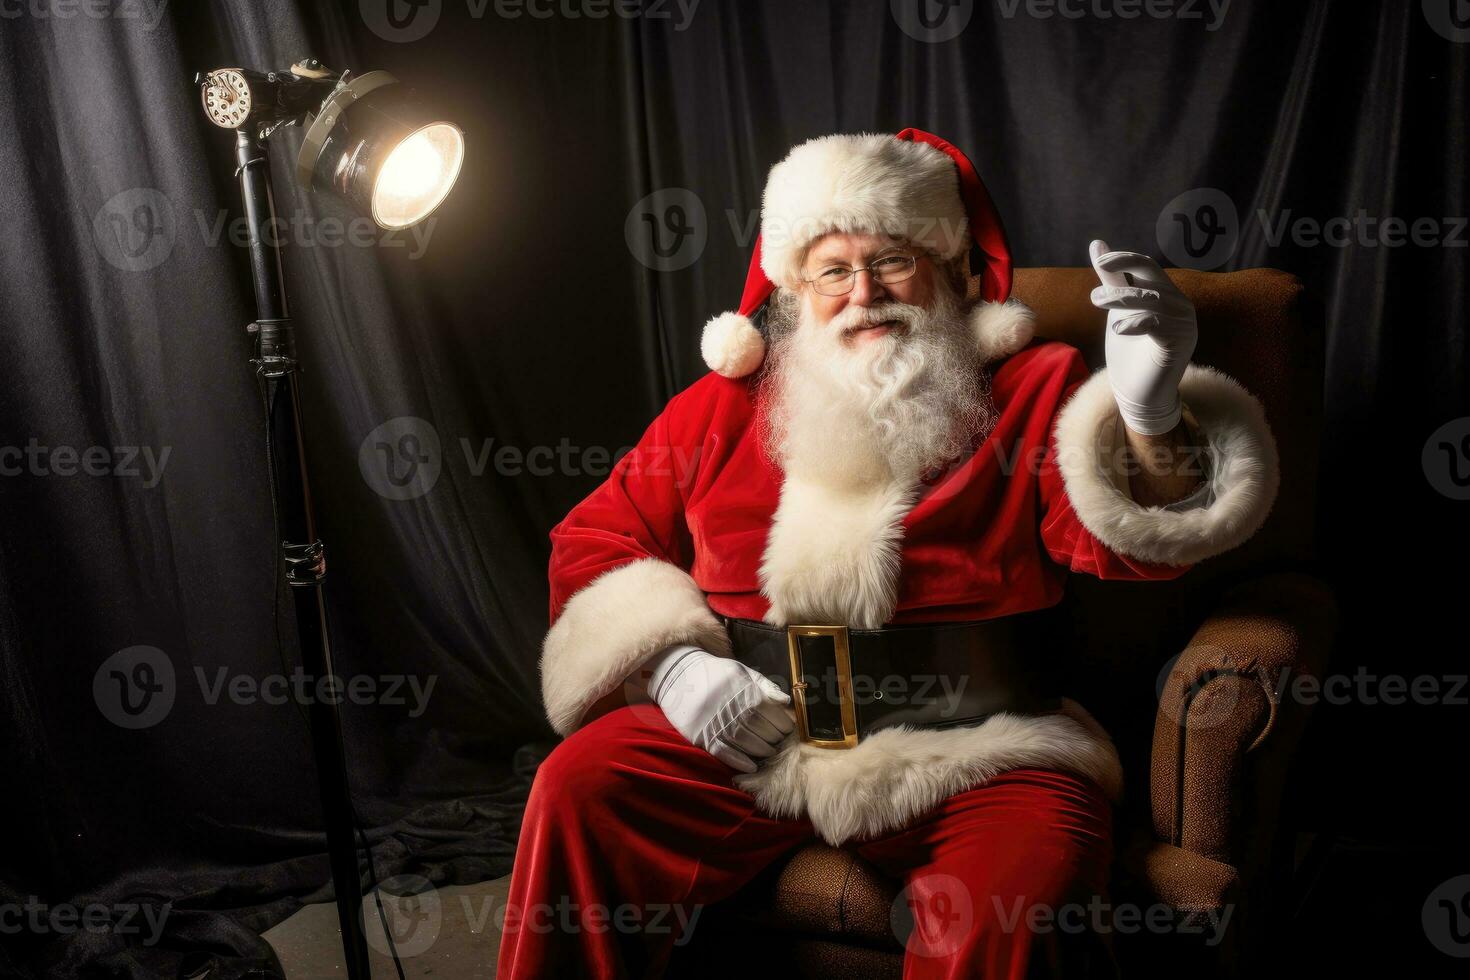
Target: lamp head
(367,141)
(377,149)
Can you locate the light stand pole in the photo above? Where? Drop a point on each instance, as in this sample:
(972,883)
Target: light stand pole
(302,551)
(368,143)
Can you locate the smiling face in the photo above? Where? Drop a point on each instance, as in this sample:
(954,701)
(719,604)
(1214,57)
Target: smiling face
(850,313)
(881,382)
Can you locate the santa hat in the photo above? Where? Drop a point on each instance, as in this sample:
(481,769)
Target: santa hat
(914,186)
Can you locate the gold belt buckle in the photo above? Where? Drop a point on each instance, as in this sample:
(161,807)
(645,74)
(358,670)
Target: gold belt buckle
(843,658)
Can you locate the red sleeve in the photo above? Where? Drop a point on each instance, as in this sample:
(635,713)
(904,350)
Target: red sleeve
(620,584)
(637,512)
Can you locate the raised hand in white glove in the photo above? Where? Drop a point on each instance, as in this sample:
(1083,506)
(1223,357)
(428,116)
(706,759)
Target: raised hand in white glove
(1150,338)
(733,712)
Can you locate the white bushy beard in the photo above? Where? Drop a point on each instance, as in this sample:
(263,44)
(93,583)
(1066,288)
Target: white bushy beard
(890,408)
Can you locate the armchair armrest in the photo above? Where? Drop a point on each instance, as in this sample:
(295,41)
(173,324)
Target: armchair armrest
(1181,879)
(1205,896)
(1227,725)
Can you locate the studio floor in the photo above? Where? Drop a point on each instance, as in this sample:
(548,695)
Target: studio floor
(450,932)
(1358,905)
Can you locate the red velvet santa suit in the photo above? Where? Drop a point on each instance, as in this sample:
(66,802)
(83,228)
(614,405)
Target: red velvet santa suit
(697,521)
(994,535)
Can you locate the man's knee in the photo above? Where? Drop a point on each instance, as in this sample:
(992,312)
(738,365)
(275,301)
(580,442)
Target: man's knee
(1037,918)
(576,771)
(598,763)
(1032,865)
(1047,910)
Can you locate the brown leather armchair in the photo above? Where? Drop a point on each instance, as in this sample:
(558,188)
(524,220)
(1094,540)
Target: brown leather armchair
(1210,727)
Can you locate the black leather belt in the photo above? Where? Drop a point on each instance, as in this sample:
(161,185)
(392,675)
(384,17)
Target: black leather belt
(848,683)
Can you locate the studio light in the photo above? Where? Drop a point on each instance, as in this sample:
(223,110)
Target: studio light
(373,148)
(369,143)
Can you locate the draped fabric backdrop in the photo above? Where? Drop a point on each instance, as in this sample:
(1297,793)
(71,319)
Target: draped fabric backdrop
(525,336)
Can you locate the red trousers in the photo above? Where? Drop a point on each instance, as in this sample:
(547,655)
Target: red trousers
(631,831)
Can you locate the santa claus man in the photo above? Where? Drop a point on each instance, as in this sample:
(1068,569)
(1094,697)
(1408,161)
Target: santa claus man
(858,506)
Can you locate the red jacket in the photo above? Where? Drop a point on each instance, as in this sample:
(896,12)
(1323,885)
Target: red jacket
(695,520)
(995,535)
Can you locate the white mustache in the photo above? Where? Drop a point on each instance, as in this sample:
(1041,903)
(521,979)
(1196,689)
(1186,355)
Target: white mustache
(855,317)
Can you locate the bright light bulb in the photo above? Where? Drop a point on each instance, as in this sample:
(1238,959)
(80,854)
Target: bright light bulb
(417,175)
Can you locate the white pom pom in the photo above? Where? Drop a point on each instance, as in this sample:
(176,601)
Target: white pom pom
(732,346)
(1001,329)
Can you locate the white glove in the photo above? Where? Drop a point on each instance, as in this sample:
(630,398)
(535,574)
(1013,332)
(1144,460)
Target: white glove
(1150,338)
(733,712)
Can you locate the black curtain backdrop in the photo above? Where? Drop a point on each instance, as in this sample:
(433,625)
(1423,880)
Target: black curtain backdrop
(529,333)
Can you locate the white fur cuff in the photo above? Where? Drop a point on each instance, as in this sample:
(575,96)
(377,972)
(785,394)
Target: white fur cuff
(1244,472)
(615,623)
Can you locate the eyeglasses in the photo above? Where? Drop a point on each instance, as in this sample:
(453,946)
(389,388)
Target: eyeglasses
(837,280)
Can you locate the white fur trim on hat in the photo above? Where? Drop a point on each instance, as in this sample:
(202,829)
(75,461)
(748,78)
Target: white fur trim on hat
(1244,471)
(732,346)
(864,182)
